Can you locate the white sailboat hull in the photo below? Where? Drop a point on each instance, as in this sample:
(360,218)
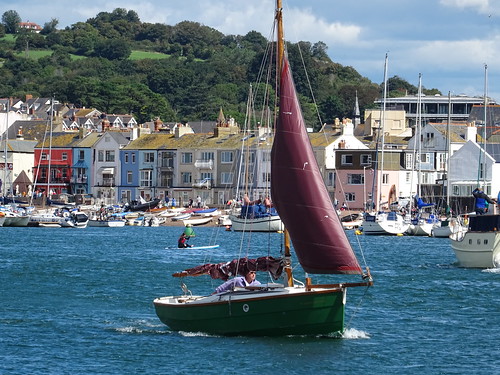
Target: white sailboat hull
(264,224)
(382,224)
(422,229)
(106,223)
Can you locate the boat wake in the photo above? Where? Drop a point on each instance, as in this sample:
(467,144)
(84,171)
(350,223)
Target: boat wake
(143,327)
(352,333)
(492,270)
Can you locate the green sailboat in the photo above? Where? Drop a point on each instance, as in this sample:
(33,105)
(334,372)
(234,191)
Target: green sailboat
(317,235)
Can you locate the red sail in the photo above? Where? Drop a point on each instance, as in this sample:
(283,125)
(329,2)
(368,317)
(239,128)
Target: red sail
(300,196)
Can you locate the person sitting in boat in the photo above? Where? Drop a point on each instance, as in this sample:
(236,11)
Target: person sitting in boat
(241,281)
(182,243)
(482,201)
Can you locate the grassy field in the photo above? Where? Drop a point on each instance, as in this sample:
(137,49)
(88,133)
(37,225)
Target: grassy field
(141,55)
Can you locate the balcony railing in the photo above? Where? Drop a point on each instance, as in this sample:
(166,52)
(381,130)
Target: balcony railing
(79,180)
(107,182)
(204,164)
(60,180)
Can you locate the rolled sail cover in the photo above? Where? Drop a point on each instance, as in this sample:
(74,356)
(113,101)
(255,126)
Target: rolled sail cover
(300,195)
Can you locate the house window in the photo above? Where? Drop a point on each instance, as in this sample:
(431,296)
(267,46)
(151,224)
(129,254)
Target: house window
(186,158)
(100,155)
(207,156)
(149,157)
(330,180)
(226,157)
(64,173)
(132,155)
(250,157)
(350,197)
(442,161)
(64,156)
(408,161)
(44,156)
(129,177)
(385,178)
(226,178)
(186,178)
(266,156)
(408,177)
(207,175)
(110,155)
(81,155)
(366,159)
(146,178)
(346,159)
(355,179)
(266,177)
(126,157)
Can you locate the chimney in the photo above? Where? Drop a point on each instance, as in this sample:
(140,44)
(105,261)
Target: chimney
(19,135)
(105,125)
(471,132)
(157,124)
(180,130)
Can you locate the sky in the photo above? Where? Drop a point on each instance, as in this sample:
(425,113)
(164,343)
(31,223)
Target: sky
(449,42)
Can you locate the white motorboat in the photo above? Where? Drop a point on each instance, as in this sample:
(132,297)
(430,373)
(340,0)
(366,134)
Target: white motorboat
(107,223)
(478,245)
(75,220)
(198,221)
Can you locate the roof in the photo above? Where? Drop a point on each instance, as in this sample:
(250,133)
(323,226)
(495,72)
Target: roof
(59,140)
(458,131)
(89,140)
(32,130)
(20,146)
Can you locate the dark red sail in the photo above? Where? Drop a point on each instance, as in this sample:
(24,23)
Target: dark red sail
(300,195)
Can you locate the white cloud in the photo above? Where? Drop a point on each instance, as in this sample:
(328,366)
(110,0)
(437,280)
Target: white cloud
(481,6)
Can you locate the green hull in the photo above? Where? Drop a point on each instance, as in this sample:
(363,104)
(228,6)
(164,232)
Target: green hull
(261,314)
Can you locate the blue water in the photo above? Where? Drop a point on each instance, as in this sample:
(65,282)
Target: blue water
(79,301)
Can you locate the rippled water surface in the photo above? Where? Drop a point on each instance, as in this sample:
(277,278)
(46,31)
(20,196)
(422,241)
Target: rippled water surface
(79,301)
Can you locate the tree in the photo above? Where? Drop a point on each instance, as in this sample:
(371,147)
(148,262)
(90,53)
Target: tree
(50,27)
(11,20)
(117,49)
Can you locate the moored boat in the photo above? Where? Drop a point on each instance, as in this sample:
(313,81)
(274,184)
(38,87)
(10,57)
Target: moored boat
(384,223)
(478,246)
(107,223)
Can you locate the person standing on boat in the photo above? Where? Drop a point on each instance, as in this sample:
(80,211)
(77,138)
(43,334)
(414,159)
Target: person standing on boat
(481,201)
(241,281)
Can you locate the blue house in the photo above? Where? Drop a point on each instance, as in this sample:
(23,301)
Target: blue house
(128,188)
(82,174)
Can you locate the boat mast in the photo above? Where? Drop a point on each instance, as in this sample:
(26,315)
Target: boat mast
(382,129)
(419,136)
(485,135)
(50,148)
(281,53)
(5,138)
(448,148)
